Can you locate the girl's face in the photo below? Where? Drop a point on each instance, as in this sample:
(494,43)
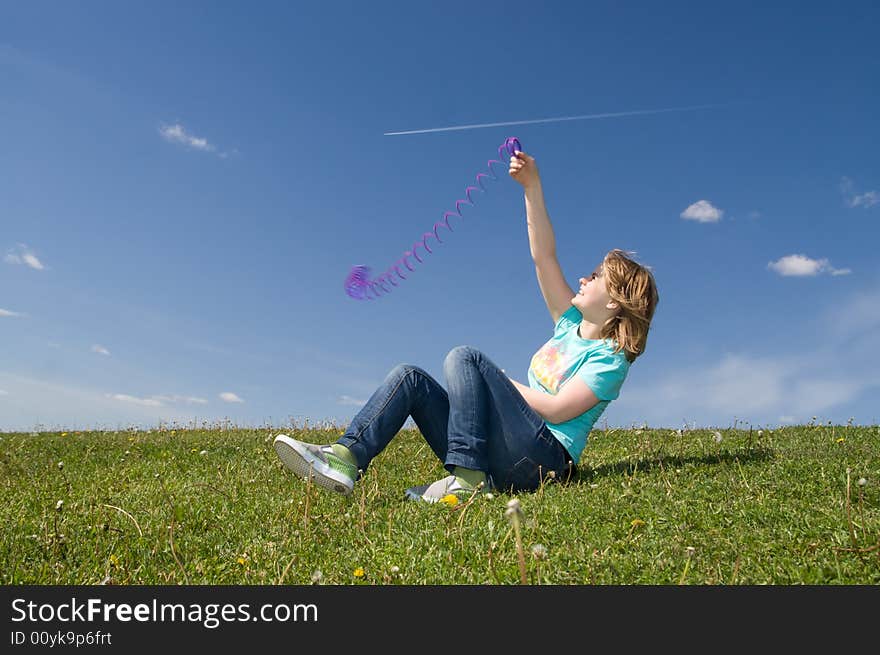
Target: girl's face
(592,297)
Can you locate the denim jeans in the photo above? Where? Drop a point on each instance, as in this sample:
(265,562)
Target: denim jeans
(481,423)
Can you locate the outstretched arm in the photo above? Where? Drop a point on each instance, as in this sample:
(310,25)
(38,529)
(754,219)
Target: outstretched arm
(542,243)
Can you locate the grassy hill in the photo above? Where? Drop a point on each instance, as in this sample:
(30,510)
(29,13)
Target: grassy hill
(797,505)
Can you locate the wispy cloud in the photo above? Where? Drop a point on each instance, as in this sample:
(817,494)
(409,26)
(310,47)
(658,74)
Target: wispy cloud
(803,266)
(854,199)
(177,133)
(10,314)
(144,402)
(748,386)
(158,401)
(186,400)
(702,211)
(777,387)
(21,254)
(348,400)
(229,397)
(101,350)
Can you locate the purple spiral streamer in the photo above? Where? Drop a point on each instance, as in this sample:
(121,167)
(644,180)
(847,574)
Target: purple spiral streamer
(358,284)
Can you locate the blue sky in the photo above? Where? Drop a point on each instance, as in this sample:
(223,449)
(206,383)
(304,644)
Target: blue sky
(185,186)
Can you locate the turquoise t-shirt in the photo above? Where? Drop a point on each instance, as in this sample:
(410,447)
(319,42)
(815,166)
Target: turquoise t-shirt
(565,355)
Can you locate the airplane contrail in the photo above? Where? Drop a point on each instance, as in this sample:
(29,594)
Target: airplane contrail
(552,120)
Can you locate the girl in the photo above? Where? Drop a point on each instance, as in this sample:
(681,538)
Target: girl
(489,430)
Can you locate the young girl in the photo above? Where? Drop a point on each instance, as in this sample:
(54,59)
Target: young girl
(489,430)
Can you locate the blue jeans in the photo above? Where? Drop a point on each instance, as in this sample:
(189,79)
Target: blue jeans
(482,423)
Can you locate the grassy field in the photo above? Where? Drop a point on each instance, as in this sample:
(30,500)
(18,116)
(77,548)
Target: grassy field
(796,505)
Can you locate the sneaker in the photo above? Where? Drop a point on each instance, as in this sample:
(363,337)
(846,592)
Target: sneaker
(437,491)
(318,462)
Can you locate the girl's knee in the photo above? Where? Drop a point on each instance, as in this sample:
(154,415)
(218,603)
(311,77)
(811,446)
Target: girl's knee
(402,370)
(459,354)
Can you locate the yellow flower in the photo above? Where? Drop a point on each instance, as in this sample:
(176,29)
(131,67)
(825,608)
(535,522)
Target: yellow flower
(242,561)
(450,499)
(841,440)
(637,522)
(114,560)
(63,434)
(359,572)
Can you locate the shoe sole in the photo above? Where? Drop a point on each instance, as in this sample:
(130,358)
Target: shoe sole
(301,462)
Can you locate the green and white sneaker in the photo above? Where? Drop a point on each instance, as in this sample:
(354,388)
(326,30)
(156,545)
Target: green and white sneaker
(437,491)
(318,462)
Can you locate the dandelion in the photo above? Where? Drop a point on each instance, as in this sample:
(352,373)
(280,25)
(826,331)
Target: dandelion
(242,561)
(636,523)
(840,440)
(395,570)
(717,436)
(359,572)
(690,551)
(539,551)
(760,432)
(203,453)
(317,576)
(490,496)
(514,512)
(60,466)
(862,482)
(59,505)
(114,561)
(450,499)
(63,434)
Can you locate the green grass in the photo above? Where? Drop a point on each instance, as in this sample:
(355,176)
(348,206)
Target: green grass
(647,506)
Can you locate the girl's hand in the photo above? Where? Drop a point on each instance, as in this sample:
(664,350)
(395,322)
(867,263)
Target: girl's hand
(524,169)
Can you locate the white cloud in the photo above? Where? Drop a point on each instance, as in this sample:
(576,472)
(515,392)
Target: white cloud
(101,350)
(177,134)
(779,387)
(801,266)
(11,314)
(702,211)
(348,400)
(158,401)
(230,397)
(746,386)
(24,255)
(188,400)
(144,402)
(854,199)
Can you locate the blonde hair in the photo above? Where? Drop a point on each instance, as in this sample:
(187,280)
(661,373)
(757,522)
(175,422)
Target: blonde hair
(631,285)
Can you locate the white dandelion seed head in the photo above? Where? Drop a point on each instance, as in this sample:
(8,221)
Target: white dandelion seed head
(690,550)
(539,551)
(513,504)
(203,452)
(317,576)
(395,570)
(862,482)
(59,505)
(60,465)
(717,436)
